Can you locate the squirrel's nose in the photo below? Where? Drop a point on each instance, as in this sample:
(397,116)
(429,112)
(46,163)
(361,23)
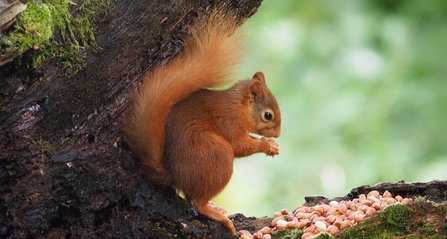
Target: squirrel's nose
(274,133)
(277,134)
(277,131)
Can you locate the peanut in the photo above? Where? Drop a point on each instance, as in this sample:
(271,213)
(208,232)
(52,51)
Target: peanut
(330,218)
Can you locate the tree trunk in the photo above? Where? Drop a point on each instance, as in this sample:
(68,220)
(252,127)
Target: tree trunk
(64,171)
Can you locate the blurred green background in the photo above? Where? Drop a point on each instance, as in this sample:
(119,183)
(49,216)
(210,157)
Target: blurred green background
(363,94)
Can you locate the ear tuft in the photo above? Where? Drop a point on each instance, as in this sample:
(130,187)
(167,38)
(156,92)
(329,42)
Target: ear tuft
(259,76)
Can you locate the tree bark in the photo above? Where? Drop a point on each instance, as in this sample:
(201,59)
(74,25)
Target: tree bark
(64,171)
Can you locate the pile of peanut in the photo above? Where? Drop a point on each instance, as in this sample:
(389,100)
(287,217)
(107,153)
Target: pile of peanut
(330,218)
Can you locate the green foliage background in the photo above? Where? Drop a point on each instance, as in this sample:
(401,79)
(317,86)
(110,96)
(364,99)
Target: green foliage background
(363,93)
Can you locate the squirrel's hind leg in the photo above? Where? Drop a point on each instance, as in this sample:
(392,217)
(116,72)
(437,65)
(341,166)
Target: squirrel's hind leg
(207,173)
(217,207)
(209,210)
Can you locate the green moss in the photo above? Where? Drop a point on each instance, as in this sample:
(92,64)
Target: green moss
(444,228)
(392,222)
(436,237)
(428,229)
(30,32)
(323,235)
(397,215)
(48,149)
(419,199)
(38,142)
(44,148)
(296,234)
(287,234)
(413,237)
(38,25)
(196,223)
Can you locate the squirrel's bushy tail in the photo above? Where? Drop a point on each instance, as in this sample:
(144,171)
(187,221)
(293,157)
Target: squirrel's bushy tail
(211,51)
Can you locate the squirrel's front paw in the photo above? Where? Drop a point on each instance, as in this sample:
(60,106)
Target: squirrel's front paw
(273,147)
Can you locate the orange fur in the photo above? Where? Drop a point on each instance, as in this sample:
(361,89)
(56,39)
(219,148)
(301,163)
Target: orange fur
(207,60)
(186,135)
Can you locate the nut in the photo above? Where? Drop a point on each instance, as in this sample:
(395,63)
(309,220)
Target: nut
(345,224)
(267,236)
(281,224)
(373,193)
(320,225)
(330,218)
(265,230)
(258,235)
(387,194)
(292,224)
(275,221)
(332,229)
(307,235)
(311,228)
(333,203)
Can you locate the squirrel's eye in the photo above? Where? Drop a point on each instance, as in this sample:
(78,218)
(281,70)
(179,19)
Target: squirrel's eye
(267,116)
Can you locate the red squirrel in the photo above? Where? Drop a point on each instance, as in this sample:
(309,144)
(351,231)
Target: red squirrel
(186,134)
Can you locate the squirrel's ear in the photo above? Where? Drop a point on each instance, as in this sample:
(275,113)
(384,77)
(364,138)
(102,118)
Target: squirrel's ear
(259,76)
(256,89)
